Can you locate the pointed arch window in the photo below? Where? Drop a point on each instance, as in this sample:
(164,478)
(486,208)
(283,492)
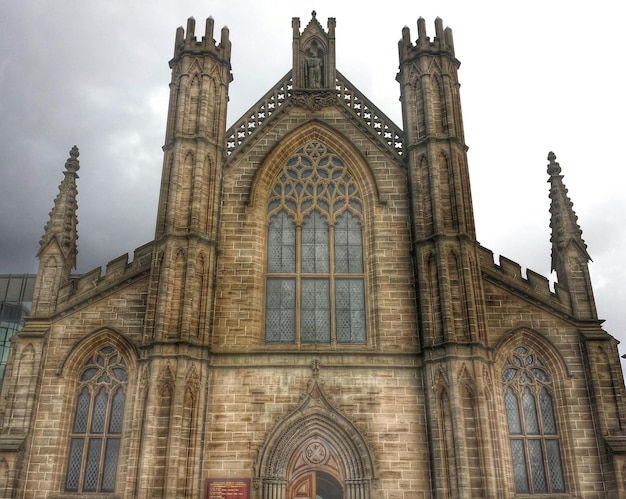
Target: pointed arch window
(533,433)
(96,430)
(315,282)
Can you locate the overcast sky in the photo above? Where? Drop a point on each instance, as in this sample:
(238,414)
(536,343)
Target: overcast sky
(536,76)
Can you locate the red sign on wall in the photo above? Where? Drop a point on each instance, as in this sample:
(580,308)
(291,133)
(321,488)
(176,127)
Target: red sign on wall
(227,488)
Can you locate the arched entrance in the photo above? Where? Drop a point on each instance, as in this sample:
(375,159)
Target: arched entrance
(315,452)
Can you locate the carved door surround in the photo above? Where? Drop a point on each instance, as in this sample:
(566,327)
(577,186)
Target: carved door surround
(315,451)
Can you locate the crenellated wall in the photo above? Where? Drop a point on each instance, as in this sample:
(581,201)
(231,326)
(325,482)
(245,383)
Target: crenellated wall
(93,283)
(508,274)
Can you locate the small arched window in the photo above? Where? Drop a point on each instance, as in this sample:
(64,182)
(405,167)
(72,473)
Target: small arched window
(533,433)
(96,429)
(315,283)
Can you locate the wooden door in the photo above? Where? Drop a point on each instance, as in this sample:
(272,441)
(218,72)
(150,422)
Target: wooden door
(304,488)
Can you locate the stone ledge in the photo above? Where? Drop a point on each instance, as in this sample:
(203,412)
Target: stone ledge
(11,443)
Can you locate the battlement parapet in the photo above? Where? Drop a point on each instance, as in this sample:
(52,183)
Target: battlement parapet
(443,41)
(534,285)
(94,282)
(186,41)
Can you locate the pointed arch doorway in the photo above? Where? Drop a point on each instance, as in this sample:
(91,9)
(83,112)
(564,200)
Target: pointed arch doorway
(315,452)
(315,472)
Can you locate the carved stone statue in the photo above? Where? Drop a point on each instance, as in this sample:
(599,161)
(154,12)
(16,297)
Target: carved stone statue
(313,67)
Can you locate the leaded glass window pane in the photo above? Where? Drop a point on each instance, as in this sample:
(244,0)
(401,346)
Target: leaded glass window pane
(117,412)
(350,310)
(512,412)
(280,315)
(537,470)
(99,411)
(315,257)
(93,462)
(530,412)
(110,464)
(348,244)
(315,311)
(554,465)
(82,411)
(74,464)
(519,466)
(281,245)
(547,412)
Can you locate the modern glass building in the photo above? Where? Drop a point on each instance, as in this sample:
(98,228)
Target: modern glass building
(16,294)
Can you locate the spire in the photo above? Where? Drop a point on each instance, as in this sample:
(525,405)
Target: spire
(563,220)
(57,251)
(569,252)
(63,219)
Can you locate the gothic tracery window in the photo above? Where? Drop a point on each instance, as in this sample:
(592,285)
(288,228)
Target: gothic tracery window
(533,433)
(97,426)
(315,285)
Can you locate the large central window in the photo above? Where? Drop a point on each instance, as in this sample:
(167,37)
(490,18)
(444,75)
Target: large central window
(315,287)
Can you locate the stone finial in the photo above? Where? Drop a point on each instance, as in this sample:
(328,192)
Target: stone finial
(553,167)
(72,165)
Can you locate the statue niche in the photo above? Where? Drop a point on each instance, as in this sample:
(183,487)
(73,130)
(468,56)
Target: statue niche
(313,67)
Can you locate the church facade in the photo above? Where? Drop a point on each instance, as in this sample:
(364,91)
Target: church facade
(314,317)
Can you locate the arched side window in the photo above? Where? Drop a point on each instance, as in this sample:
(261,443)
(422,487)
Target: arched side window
(98,420)
(533,433)
(315,282)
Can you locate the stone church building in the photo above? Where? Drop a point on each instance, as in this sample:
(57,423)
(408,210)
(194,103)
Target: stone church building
(314,317)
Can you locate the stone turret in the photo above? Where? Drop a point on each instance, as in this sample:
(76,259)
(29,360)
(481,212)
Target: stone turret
(178,317)
(57,251)
(453,324)
(188,211)
(569,252)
